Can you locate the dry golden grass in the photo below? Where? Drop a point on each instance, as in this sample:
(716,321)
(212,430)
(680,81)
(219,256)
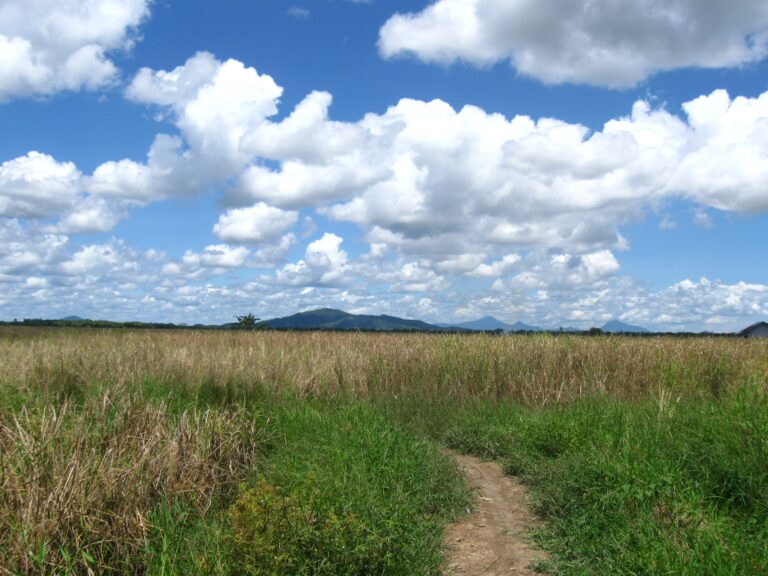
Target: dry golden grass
(532,369)
(85,457)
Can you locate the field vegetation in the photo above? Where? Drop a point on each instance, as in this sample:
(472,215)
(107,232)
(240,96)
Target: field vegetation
(188,452)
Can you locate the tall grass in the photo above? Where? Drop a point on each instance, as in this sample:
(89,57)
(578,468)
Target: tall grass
(79,482)
(164,452)
(534,370)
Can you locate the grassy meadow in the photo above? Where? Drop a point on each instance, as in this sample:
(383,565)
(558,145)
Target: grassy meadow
(183,452)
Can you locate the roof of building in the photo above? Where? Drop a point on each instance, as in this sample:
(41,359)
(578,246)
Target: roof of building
(754,326)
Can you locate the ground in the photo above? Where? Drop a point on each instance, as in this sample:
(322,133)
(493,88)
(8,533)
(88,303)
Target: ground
(494,539)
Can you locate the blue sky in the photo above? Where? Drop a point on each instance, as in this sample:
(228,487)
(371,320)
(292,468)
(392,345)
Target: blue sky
(553,162)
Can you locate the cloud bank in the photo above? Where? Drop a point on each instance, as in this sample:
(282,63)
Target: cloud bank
(608,43)
(462,211)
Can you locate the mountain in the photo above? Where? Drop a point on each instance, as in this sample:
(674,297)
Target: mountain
(73,318)
(490,323)
(618,326)
(330,319)
(522,327)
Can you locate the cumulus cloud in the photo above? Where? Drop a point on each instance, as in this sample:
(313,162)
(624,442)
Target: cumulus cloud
(22,252)
(214,105)
(45,275)
(430,181)
(602,42)
(496,269)
(37,186)
(727,165)
(90,258)
(92,215)
(51,45)
(414,277)
(223,255)
(324,263)
(468,179)
(256,224)
(443,184)
(563,271)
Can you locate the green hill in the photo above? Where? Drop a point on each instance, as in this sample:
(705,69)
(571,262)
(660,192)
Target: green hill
(331,319)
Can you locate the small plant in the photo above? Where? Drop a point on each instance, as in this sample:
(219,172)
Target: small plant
(248,322)
(274,532)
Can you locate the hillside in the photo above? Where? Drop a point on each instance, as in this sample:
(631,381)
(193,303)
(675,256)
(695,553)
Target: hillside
(615,326)
(331,319)
(489,323)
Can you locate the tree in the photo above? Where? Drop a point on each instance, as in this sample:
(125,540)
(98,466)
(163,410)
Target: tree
(247,322)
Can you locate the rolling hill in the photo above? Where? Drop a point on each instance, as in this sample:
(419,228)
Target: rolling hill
(491,323)
(619,326)
(331,319)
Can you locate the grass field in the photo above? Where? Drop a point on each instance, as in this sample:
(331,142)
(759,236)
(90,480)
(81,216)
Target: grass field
(323,453)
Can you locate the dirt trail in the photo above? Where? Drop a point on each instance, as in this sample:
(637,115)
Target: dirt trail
(492,540)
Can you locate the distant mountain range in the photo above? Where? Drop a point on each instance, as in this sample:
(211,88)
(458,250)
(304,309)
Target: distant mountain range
(617,326)
(330,319)
(490,323)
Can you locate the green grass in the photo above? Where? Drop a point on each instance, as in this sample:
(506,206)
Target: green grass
(342,492)
(651,487)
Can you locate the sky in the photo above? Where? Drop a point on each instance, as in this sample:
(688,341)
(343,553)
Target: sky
(556,162)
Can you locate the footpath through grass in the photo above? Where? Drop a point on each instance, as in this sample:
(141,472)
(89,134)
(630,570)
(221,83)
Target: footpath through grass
(664,486)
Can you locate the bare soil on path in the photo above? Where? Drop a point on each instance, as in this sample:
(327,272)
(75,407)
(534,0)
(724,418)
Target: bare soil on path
(493,539)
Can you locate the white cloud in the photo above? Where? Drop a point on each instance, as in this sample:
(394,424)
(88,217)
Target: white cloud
(124,178)
(92,215)
(44,276)
(433,182)
(51,45)
(225,256)
(324,263)
(299,13)
(214,105)
(326,252)
(21,250)
(601,42)
(469,179)
(259,223)
(37,186)
(496,269)
(414,277)
(726,165)
(702,305)
(702,219)
(667,223)
(541,271)
(96,258)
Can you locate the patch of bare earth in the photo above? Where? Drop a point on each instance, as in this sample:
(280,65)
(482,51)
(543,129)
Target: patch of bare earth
(494,538)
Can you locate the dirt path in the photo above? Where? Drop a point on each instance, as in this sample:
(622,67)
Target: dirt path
(492,540)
